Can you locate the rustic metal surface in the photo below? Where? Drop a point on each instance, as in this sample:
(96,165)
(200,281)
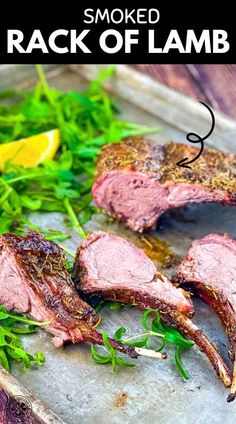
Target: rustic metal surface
(80,391)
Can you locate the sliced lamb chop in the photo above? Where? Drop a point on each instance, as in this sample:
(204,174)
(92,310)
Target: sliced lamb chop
(138,180)
(34,281)
(109,266)
(210,269)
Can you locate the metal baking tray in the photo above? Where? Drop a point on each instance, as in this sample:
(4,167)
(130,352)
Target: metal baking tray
(70,384)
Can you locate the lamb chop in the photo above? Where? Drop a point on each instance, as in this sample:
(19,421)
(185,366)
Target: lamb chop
(34,281)
(109,266)
(137,180)
(210,269)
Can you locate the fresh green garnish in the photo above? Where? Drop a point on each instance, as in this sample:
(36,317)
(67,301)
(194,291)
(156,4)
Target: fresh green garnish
(49,188)
(167,334)
(87,121)
(12,326)
(154,328)
(111,357)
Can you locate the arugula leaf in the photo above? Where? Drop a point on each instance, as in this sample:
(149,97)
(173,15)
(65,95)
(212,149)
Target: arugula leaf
(179,363)
(12,326)
(157,318)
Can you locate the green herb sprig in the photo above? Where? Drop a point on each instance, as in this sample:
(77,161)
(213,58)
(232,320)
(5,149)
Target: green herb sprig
(167,334)
(86,121)
(154,329)
(12,327)
(111,357)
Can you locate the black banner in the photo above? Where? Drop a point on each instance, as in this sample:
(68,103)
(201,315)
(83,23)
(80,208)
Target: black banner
(152,33)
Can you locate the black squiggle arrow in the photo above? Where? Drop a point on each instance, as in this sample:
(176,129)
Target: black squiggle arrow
(197,139)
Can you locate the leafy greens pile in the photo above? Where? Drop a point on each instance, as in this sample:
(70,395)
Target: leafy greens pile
(87,121)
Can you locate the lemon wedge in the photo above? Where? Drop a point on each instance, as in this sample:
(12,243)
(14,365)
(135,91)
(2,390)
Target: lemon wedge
(31,151)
